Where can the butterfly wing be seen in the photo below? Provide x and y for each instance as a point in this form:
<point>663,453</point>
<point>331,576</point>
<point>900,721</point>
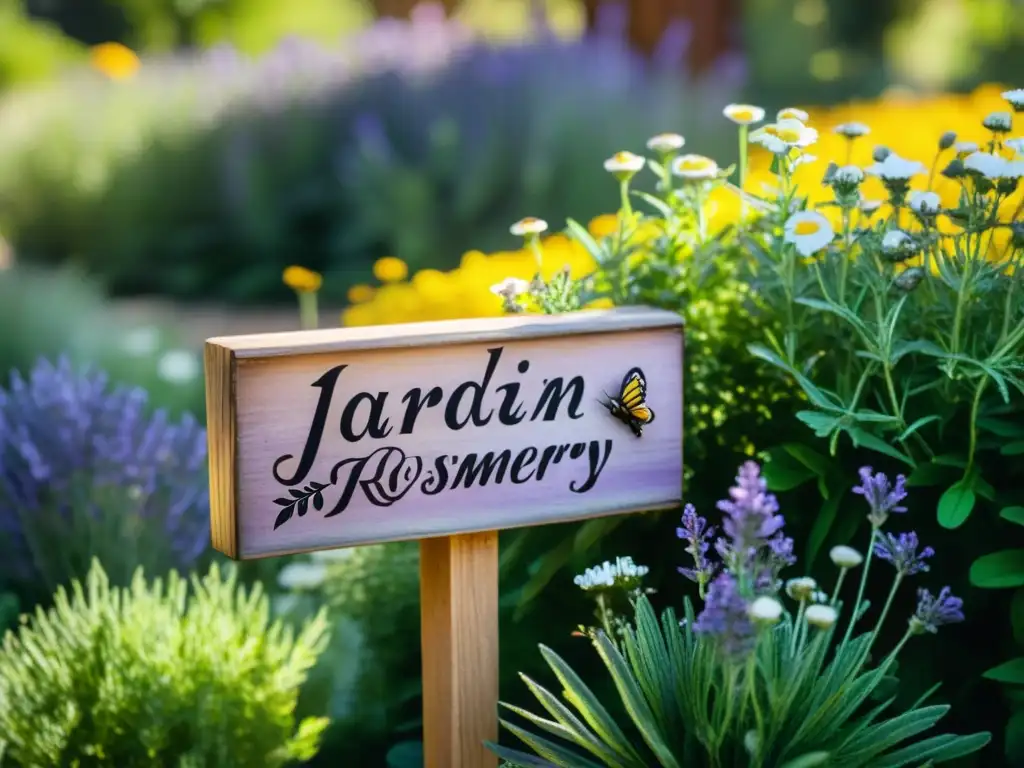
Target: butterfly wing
<point>634,389</point>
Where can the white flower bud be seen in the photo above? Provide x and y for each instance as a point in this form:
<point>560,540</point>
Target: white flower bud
<point>821,616</point>
<point>801,588</point>
<point>846,557</point>
<point>766,610</point>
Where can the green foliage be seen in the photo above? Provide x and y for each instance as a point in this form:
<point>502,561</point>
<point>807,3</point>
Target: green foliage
<point>31,51</point>
<point>174,672</point>
<point>685,707</point>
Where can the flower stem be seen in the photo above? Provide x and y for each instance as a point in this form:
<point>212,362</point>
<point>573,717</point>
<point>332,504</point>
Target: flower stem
<point>797,625</point>
<point>839,584</point>
<point>309,318</point>
<point>538,255</point>
<point>860,589</point>
<point>885,609</point>
<point>743,172</point>
<point>627,208</point>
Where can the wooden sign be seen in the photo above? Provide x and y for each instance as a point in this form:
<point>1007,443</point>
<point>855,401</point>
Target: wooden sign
<point>453,429</point>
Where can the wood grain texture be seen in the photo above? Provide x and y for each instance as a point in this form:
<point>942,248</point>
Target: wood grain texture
<point>459,640</point>
<point>274,402</point>
<point>222,441</point>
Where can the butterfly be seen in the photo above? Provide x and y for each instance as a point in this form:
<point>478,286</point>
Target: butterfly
<point>631,404</point>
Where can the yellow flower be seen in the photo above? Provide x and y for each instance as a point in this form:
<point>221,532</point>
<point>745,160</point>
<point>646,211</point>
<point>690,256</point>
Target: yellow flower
<point>390,269</point>
<point>114,60</point>
<point>360,293</point>
<point>301,279</point>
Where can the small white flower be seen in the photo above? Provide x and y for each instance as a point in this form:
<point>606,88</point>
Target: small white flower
<point>695,167</point>
<point>895,240</point>
<point>988,165</point>
<point>802,160</point>
<point>1015,98</point>
<point>819,597</point>
<point>140,342</point>
<point>744,114</point>
<point>792,113</point>
<point>664,143</point>
<point>895,168</point>
<point>801,588</point>
<point>845,557</point>
<point>302,575</point>
<point>1017,145</point>
<point>965,147</point>
<point>624,573</point>
<point>852,130</point>
<point>766,609</point>
<point>999,122</point>
<point>849,175</point>
<point>511,288</point>
<point>528,226</point>
<point>784,135</point>
<point>178,366</point>
<point>821,616</point>
<point>809,231</point>
<point>925,203</point>
<point>624,163</point>
<point>1014,169</point>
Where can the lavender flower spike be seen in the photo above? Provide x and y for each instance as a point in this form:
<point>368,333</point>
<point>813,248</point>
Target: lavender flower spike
<point>902,552</point>
<point>936,611</point>
<point>696,532</point>
<point>726,618</point>
<point>750,515</point>
<point>882,496</point>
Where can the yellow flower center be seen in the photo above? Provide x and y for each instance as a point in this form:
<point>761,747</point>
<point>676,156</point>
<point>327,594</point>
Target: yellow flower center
<point>623,157</point>
<point>359,294</point>
<point>743,114</point>
<point>771,130</point>
<point>806,227</point>
<point>529,221</point>
<point>302,279</point>
<point>789,114</point>
<point>390,269</point>
<point>788,135</point>
<point>695,164</point>
<point>114,60</point>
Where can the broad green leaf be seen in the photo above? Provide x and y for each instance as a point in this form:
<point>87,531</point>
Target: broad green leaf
<point>1001,427</point>
<point>822,423</point>
<point>782,472</point>
<point>809,457</point>
<point>955,505</point>
<point>951,460</point>
<point>1011,671</point>
<point>1013,514</point>
<point>928,474</point>
<point>821,528</point>
<point>1017,616</point>
<point>999,570</point>
<point>865,747</point>
<point>1014,734</point>
<point>822,399</point>
<point>1013,449</point>
<point>864,439</point>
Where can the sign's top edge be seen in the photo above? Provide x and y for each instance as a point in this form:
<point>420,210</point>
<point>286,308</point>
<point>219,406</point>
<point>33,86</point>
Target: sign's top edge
<point>441,332</point>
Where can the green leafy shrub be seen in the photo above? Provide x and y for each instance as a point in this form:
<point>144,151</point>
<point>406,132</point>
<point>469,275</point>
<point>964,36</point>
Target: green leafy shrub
<point>174,672</point>
<point>749,681</point>
<point>207,176</point>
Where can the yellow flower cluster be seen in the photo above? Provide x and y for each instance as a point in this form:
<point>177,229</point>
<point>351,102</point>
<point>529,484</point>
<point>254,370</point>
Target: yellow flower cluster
<point>909,126</point>
<point>116,61</point>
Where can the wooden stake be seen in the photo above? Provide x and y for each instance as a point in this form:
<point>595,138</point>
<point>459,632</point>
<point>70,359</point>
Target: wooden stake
<point>459,637</point>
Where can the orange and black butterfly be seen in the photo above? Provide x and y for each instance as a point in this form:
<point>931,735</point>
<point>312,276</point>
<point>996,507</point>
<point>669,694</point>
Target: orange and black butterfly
<point>631,405</point>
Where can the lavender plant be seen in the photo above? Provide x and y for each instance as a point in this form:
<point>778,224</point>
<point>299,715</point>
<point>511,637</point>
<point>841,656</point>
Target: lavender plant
<point>764,672</point>
<point>86,470</point>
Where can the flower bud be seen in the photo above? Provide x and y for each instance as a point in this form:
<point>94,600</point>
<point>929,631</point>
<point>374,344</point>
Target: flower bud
<point>947,140</point>
<point>955,169</point>
<point>830,172</point>
<point>801,588</point>
<point>909,279</point>
<point>846,557</point>
<point>821,616</point>
<point>880,153</point>
<point>765,610</point>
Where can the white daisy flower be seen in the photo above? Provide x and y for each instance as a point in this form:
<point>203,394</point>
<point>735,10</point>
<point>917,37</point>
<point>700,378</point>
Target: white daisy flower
<point>988,165</point>
<point>624,163</point>
<point>1017,145</point>
<point>1015,98</point>
<point>784,135</point>
<point>766,610</point>
<point>848,175</point>
<point>744,114</point>
<point>528,226</point>
<point>178,366</point>
<point>895,240</point>
<point>821,616</point>
<point>809,231</point>
<point>695,167</point>
<point>302,576</point>
<point>801,588</point>
<point>511,288</point>
<point>803,160</point>
<point>664,143</point>
<point>895,168</point>
<point>925,203</point>
<point>792,113</point>
<point>622,573</point>
<point>852,130</point>
<point>999,122</point>
<point>965,147</point>
<point>845,557</point>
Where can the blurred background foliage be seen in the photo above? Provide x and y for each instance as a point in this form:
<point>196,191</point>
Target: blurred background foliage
<point>253,134</point>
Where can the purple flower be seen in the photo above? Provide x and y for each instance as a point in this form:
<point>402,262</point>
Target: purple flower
<point>72,447</point>
<point>883,497</point>
<point>935,611</point>
<point>696,532</point>
<point>725,617</point>
<point>902,552</point>
<point>750,514</point>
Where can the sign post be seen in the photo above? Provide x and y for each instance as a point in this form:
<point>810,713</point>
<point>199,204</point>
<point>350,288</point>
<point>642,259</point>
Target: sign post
<point>446,432</point>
